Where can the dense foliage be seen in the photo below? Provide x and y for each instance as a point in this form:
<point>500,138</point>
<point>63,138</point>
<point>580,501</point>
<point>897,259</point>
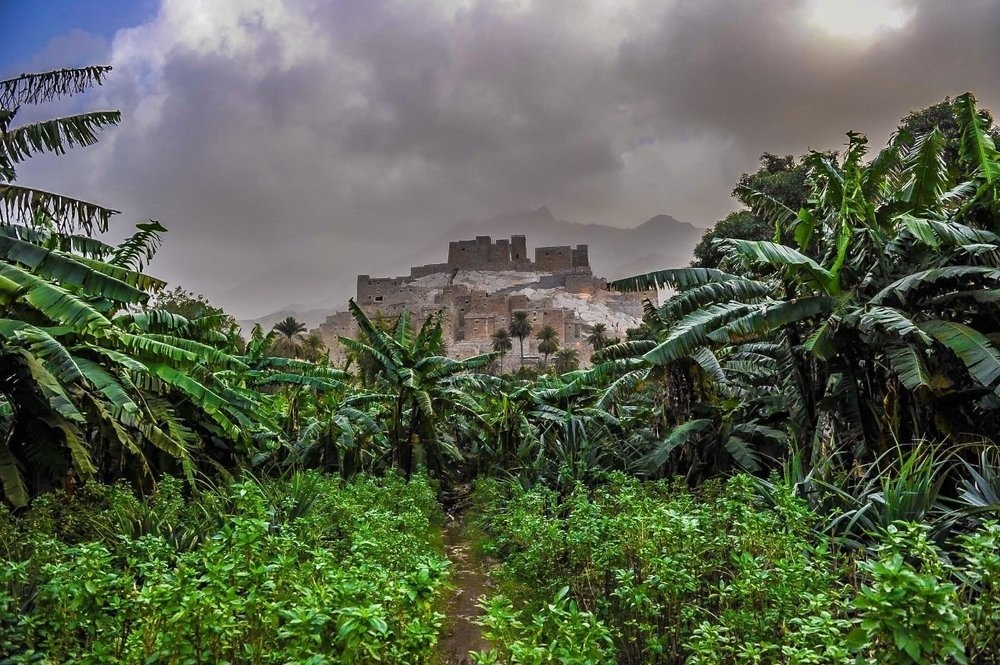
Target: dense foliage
<point>636,572</point>
<point>833,353</point>
<point>307,569</point>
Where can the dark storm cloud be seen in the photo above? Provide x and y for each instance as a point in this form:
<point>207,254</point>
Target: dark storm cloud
<point>291,145</point>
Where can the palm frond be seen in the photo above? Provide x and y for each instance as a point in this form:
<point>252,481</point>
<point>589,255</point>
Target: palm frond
<point>23,204</point>
<point>678,278</point>
<point>678,436</point>
<point>139,248</point>
<point>764,319</point>
<point>744,290</point>
<point>56,136</point>
<point>901,288</point>
<point>56,303</point>
<point>693,331</point>
<point>925,172</point>
<point>981,358</point>
<point>977,147</point>
<point>45,86</point>
<point>68,270</point>
<point>908,364</point>
<point>784,257</point>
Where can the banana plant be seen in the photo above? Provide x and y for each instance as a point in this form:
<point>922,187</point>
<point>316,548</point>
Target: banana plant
<point>92,382</point>
<point>885,304</point>
<point>420,384</point>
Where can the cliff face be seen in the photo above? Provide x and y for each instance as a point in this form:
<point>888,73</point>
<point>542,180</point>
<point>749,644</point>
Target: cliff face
<point>484,283</point>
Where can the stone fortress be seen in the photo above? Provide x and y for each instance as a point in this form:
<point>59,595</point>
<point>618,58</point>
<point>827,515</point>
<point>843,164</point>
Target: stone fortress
<point>480,287</point>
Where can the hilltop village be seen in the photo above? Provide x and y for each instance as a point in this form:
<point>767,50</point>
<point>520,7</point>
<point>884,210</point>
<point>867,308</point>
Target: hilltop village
<point>483,283</point>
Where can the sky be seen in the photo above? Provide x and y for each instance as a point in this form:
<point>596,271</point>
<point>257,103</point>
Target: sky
<point>289,145</point>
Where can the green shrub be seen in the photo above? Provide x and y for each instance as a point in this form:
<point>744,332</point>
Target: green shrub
<point>558,632</point>
<point>674,575</point>
<point>303,570</point>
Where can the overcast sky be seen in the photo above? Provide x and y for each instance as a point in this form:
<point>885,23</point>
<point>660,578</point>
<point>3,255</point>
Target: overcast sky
<point>290,144</point>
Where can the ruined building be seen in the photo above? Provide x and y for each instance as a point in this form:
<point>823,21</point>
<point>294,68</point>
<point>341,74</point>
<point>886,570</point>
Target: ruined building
<point>483,283</point>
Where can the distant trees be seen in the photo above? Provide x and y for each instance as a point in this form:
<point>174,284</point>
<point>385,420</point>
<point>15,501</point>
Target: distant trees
<point>567,360</point>
<point>181,301</point>
<point>289,340</point>
<point>782,179</point>
<point>597,337</point>
<point>196,307</point>
<point>520,327</point>
<point>502,343</point>
<point>314,348</point>
<point>548,342</point>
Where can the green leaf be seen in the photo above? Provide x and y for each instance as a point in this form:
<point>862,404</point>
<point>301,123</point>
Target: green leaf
<point>901,288</point>
<point>66,269</point>
<point>764,319</point>
<point>678,436</point>
<point>977,147</point>
<point>784,257</point>
<point>693,331</point>
<point>925,172</point>
<point>743,290</point>
<point>972,347</point>
<point>56,303</point>
<point>23,204</point>
<point>678,278</point>
<point>893,321</point>
<point>10,476</point>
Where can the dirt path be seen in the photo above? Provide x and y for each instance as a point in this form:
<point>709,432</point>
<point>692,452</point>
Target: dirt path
<point>462,635</point>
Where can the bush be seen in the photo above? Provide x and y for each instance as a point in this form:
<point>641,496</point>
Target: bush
<point>301,570</point>
<point>672,575</point>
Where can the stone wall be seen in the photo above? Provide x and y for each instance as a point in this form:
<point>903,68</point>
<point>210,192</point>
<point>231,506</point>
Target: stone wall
<point>472,315</point>
<point>422,271</point>
<point>552,259</point>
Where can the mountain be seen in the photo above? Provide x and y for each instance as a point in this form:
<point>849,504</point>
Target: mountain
<point>659,242</point>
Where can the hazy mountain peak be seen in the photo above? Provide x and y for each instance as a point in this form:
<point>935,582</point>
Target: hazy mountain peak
<point>545,214</point>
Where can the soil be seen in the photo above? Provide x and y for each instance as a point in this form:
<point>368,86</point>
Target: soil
<point>470,583</point>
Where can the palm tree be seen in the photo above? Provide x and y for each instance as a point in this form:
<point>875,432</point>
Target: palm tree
<point>567,360</point>
<point>548,342</point>
<point>598,336</point>
<point>314,348</point>
<point>501,344</point>
<point>520,327</point>
<point>289,329</point>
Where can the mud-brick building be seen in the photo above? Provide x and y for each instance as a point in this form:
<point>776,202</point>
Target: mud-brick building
<point>484,282</point>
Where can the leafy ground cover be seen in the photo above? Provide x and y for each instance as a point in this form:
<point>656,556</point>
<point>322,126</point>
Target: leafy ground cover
<point>636,572</point>
<point>305,570</point>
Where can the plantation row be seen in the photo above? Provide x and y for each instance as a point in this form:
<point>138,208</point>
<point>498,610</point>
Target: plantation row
<point>635,572</point>
<point>315,570</point>
<point>305,570</point>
